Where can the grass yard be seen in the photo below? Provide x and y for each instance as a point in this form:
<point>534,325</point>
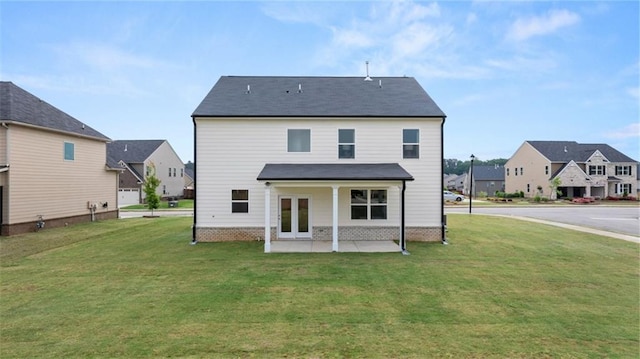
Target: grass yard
<point>136,288</point>
<point>182,203</point>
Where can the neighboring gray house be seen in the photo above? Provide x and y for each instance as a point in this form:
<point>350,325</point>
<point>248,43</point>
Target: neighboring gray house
<point>139,158</point>
<point>488,179</point>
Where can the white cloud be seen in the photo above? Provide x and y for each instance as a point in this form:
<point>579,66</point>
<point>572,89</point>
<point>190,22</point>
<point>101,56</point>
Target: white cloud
<point>553,20</point>
<point>351,38</point>
<point>629,131</point>
<point>105,57</point>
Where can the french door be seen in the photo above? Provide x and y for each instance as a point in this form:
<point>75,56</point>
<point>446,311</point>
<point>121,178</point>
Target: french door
<point>294,217</point>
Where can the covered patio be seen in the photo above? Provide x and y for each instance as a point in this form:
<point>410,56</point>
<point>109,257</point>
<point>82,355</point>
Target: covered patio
<point>301,246</point>
<point>333,176</point>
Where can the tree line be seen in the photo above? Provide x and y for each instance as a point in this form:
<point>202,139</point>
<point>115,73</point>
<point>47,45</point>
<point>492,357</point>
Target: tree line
<point>455,166</point>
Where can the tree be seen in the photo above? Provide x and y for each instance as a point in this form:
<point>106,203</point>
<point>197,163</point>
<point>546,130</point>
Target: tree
<point>151,183</point>
<point>553,185</point>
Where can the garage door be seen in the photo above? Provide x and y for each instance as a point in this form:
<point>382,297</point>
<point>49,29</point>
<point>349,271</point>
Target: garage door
<point>128,196</point>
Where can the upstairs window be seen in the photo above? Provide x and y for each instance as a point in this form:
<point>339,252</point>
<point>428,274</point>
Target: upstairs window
<point>298,140</point>
<point>410,143</point>
<point>623,170</point>
<point>597,170</point>
<point>546,170</point>
<point>174,172</point>
<point>239,201</point>
<point>182,172</point>
<point>169,172</point>
<point>346,143</point>
<point>69,151</point>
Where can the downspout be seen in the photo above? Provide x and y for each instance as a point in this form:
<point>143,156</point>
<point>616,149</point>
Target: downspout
<point>403,241</point>
<point>443,228</point>
<point>195,183</point>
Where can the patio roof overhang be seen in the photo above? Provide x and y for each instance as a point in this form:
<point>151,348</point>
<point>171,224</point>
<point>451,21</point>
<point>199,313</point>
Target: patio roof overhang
<point>334,172</point>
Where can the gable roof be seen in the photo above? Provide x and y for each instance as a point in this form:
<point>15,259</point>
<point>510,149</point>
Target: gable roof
<point>18,105</point>
<point>565,151</point>
<point>334,171</point>
<point>264,96</point>
<point>488,173</point>
<point>132,151</point>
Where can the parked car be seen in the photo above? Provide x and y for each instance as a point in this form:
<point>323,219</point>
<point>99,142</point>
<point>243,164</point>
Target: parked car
<point>450,196</point>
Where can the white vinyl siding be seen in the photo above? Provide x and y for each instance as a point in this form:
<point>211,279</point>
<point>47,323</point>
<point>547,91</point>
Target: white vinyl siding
<point>219,170</point>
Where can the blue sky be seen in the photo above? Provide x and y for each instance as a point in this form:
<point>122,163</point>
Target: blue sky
<point>503,72</point>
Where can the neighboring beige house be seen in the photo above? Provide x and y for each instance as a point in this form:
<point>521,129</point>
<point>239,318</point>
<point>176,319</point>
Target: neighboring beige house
<point>584,170</point>
<point>139,158</point>
<point>318,158</point>
<point>51,164</point>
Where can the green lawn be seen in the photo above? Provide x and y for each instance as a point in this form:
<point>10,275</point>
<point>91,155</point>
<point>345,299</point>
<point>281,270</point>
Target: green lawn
<point>136,288</point>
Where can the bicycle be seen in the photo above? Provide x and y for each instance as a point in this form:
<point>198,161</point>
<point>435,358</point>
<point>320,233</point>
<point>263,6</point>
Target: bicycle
<point>39,223</point>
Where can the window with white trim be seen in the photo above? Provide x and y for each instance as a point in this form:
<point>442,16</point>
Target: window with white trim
<point>298,140</point>
<point>346,143</point>
<point>597,170</point>
<point>368,204</point>
<point>69,151</point>
<point>239,201</point>
<point>623,170</point>
<point>622,188</point>
<point>410,143</point>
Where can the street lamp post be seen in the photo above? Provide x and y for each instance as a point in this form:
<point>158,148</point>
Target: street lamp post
<point>471,183</point>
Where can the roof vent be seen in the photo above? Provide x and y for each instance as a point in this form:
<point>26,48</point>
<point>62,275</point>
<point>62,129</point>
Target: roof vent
<point>367,78</point>
<point>125,148</point>
<point>248,88</point>
<point>299,88</point>
<point>380,83</point>
<point>565,149</point>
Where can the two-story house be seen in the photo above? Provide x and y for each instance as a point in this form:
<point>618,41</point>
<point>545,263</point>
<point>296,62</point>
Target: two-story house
<point>584,170</point>
<point>139,158</point>
<point>51,165</point>
<point>318,158</point>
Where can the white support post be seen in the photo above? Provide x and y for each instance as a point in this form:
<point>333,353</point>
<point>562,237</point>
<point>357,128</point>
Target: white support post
<point>334,244</point>
<point>267,218</point>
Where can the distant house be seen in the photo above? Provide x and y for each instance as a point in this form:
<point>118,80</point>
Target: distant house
<point>591,170</point>
<point>460,184</point>
<point>318,158</point>
<point>487,179</point>
<point>51,165</point>
<point>450,181</point>
<point>139,158</point>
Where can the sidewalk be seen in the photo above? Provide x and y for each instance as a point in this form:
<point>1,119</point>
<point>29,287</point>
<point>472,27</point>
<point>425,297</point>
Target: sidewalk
<point>599,232</point>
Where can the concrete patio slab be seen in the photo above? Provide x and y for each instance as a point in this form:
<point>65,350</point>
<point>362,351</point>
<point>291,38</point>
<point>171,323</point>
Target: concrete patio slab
<point>310,246</point>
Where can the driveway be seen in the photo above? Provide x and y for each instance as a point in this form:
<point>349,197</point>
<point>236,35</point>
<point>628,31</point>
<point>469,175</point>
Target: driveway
<point>161,213</point>
<point>617,219</point>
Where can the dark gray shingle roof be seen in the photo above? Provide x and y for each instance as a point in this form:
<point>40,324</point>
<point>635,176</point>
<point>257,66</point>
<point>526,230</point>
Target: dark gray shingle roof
<point>488,173</point>
<point>334,171</point>
<point>132,151</point>
<point>318,96</point>
<point>565,151</point>
<point>19,105</point>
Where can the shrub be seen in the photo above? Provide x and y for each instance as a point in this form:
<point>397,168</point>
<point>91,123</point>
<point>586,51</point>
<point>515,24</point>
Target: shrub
<point>482,194</point>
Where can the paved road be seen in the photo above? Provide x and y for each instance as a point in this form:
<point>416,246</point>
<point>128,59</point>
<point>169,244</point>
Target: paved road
<point>622,219</point>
